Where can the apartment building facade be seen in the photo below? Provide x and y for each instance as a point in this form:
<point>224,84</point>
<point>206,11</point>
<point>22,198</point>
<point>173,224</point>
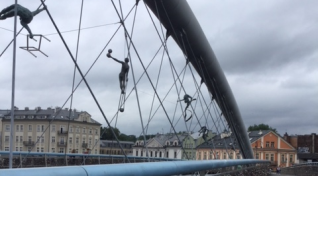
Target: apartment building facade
<point>161,146</point>
<point>53,130</point>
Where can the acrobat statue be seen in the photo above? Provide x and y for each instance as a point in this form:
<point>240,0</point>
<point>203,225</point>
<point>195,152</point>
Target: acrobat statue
<point>187,100</point>
<point>123,75</point>
<point>26,16</point>
<point>204,132</point>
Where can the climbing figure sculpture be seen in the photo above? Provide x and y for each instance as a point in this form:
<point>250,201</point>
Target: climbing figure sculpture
<point>26,16</point>
<point>123,75</point>
<point>204,131</point>
<point>187,100</point>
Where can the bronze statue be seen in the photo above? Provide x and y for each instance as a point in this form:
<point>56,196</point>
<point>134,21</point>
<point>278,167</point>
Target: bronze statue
<point>204,131</point>
<point>187,100</point>
<point>123,75</point>
<point>26,16</point>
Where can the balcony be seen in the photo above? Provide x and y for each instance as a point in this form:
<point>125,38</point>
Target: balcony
<point>84,145</point>
<point>62,132</point>
<point>28,143</point>
<point>61,144</point>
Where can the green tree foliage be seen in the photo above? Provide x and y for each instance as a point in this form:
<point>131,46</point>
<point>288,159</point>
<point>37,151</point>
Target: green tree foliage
<point>261,127</point>
<point>107,134</point>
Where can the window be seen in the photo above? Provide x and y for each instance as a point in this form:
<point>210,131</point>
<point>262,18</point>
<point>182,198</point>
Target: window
<point>6,139</point>
<point>224,155</point>
<point>53,150</point>
<point>267,156</point>
<point>90,141</point>
<point>257,156</point>
<point>291,157</point>
<point>21,128</point>
<point>16,138</point>
<point>53,128</point>
<point>29,138</point>
<point>84,139</point>
<point>70,140</point>
<point>96,131</point>
<point>42,149</point>
<point>160,154</point>
<point>16,148</point>
<point>77,129</point>
<point>20,148</point>
<point>136,152</point>
<point>167,154</point>
<point>283,158</point>
<point>38,128</point>
<point>7,128</point>
<point>30,128</point>
<point>61,150</point>
<point>95,151</point>
<point>90,131</point>
<point>272,144</point>
<point>272,157</point>
<point>175,154</point>
<point>142,153</point>
<point>71,129</point>
<point>29,149</point>
<point>267,144</point>
<point>17,128</point>
<point>199,156</point>
<point>21,138</point>
<point>53,139</point>
<point>84,130</point>
<point>150,153</point>
<point>77,140</point>
<point>6,148</point>
<point>42,139</point>
<point>37,149</point>
<point>204,155</point>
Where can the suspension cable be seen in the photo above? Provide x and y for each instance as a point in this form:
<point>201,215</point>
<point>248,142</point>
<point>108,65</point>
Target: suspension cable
<point>84,79</point>
<point>71,102</point>
<point>148,76</point>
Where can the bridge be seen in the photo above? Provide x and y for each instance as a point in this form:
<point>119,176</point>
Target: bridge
<point>57,164</point>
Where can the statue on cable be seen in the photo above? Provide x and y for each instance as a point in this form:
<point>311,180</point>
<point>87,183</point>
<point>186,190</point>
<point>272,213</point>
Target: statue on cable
<point>187,100</point>
<point>26,16</point>
<point>123,75</point>
<point>204,131</point>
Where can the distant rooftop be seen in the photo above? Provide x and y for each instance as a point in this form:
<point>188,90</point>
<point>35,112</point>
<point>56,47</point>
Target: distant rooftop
<point>50,113</point>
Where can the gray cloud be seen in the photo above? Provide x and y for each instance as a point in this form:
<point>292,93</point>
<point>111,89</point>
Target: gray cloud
<point>268,51</point>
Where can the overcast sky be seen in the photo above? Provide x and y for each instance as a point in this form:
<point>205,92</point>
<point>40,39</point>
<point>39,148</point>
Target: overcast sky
<point>268,50</point>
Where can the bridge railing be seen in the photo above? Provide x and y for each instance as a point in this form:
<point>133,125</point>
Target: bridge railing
<point>167,168</point>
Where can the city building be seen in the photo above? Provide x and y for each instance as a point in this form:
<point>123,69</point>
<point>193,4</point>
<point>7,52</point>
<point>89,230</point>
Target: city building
<point>190,143</point>
<point>221,146</point>
<point>161,146</point>
<point>113,148</point>
<point>306,145</point>
<point>266,145</point>
<point>52,130</point>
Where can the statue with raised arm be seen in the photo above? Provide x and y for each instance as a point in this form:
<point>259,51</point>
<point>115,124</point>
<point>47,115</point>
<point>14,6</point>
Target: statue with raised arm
<point>123,75</point>
<point>187,100</point>
<point>26,16</point>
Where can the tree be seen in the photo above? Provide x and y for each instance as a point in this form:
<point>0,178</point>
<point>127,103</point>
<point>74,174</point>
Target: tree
<point>261,127</point>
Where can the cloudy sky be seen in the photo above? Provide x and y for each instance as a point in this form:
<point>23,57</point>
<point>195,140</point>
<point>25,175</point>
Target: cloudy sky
<point>268,51</point>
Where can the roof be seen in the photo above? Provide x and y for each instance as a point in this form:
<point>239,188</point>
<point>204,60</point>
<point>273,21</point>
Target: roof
<point>49,114</point>
<point>254,135</point>
<point>219,142</point>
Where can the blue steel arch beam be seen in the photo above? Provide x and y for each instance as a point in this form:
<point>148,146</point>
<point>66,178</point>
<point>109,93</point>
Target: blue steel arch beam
<point>180,22</point>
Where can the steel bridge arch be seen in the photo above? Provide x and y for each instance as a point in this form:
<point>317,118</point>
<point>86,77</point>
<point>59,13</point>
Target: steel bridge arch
<point>180,22</point>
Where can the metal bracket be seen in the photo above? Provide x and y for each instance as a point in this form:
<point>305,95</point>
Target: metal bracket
<point>31,49</point>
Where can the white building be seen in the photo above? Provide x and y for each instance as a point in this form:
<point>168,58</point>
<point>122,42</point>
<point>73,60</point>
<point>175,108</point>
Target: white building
<point>161,146</point>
